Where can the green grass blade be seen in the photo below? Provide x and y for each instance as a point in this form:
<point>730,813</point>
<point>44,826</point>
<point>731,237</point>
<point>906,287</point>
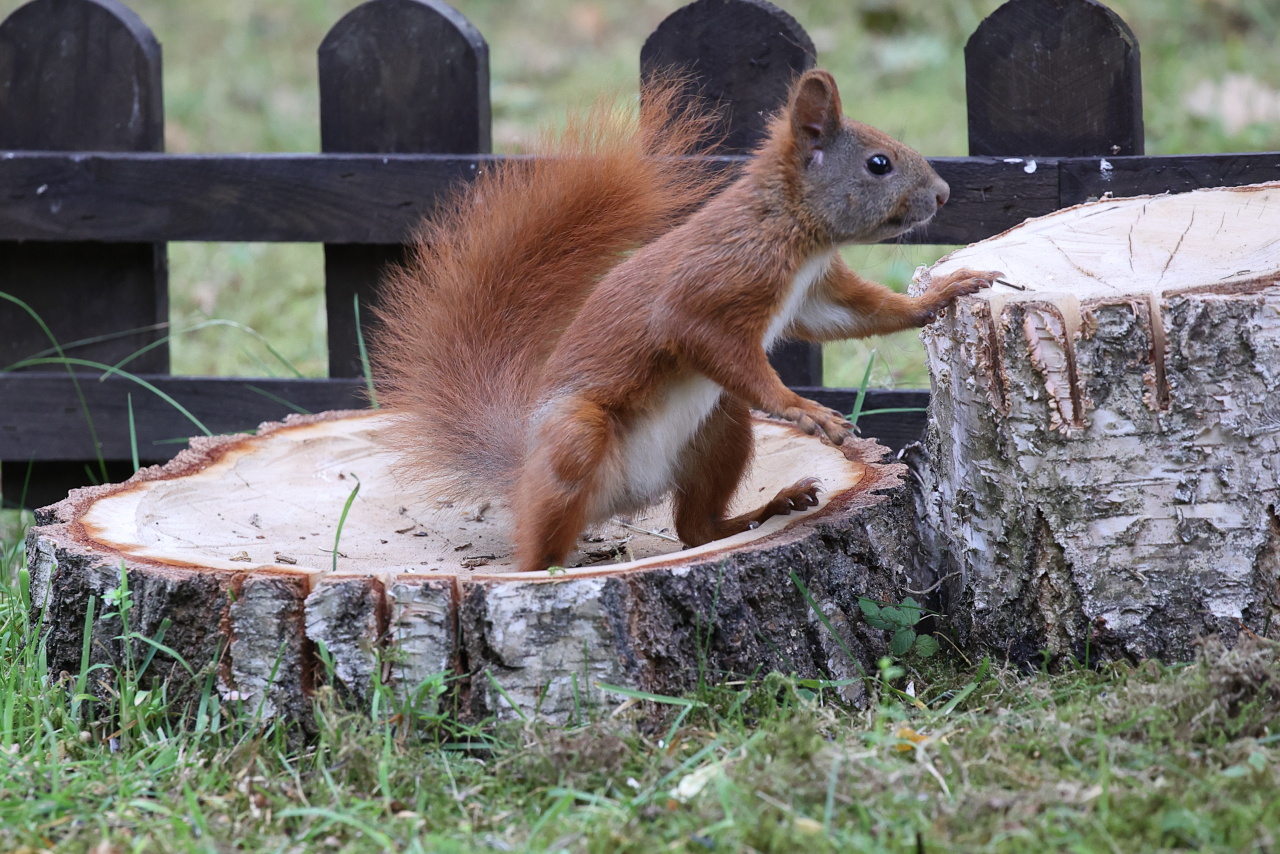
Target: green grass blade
<point>862,389</point>
<point>107,371</point>
<point>207,324</point>
<point>99,339</point>
<point>84,405</point>
<point>364,357</point>
<point>342,520</point>
<point>645,695</point>
<point>503,691</point>
<point>893,409</point>
<point>822,617</point>
<point>133,434</point>
<point>157,646</point>
<point>26,482</point>
<point>968,689</point>
<point>585,797</point>
<point>333,817</point>
<point>278,399</point>
<point>263,368</point>
<point>557,809</point>
<point>828,807</point>
<point>85,641</point>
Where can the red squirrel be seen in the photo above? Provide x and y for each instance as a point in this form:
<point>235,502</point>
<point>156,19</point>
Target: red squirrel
<point>529,356</point>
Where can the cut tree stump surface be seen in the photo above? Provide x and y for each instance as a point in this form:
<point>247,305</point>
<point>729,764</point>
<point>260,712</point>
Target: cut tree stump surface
<point>229,552</point>
<point>1101,463</point>
<point>273,503</point>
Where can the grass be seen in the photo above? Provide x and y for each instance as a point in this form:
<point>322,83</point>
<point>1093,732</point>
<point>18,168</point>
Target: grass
<point>946,757</point>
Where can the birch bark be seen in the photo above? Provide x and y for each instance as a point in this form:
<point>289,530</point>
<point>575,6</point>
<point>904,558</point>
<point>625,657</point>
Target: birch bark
<point>1099,476</point>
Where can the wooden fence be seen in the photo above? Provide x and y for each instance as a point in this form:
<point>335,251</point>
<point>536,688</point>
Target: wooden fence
<point>88,200</point>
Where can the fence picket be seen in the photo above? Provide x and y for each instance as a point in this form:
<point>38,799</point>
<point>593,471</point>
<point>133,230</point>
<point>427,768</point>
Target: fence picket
<point>1054,78</point>
<point>396,76</point>
<point>82,75</point>
<point>742,56</point>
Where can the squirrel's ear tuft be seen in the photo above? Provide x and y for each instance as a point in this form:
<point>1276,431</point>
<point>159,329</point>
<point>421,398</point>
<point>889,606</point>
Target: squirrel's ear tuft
<point>815,111</point>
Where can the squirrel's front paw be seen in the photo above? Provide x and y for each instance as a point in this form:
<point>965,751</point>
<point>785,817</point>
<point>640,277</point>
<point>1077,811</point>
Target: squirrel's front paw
<point>946,289</point>
<point>813,418</point>
<point>964,281</point>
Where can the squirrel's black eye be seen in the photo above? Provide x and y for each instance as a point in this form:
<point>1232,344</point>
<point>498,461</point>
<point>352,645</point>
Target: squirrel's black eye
<point>878,164</point>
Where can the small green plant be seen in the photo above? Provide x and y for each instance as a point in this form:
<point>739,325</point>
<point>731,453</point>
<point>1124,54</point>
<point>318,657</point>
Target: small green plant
<point>342,520</point>
<point>901,621</point>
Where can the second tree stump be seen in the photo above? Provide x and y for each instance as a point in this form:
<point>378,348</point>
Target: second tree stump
<point>1102,471</point>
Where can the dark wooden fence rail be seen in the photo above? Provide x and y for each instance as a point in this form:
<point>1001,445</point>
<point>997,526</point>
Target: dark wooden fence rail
<point>88,201</point>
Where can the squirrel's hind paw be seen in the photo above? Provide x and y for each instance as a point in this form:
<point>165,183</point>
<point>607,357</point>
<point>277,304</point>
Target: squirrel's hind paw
<point>800,495</point>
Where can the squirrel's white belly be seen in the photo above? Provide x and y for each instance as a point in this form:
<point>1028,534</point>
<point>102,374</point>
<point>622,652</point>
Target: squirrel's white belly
<point>796,301</point>
<point>652,447</point>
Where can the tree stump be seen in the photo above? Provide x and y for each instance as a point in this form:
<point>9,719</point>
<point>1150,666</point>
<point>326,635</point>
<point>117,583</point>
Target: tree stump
<point>1100,470</point>
<point>228,551</point>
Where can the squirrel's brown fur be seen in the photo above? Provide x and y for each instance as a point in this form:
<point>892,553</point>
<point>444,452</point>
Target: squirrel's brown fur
<point>529,358</point>
<point>502,267</point>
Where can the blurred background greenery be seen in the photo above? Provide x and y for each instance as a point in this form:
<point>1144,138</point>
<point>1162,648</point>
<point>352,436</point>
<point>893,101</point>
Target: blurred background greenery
<point>240,76</point>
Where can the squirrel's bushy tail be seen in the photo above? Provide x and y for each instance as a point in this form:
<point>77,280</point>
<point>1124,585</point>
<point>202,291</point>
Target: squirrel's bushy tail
<point>500,270</point>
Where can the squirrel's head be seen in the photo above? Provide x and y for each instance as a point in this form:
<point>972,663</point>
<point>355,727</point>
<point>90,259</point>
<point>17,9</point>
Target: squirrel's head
<point>862,185</point>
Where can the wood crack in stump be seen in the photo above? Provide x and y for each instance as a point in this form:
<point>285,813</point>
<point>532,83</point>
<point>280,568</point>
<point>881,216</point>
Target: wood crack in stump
<point>405,607</point>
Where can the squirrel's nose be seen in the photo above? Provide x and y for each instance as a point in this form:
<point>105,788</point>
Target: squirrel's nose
<point>944,193</point>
